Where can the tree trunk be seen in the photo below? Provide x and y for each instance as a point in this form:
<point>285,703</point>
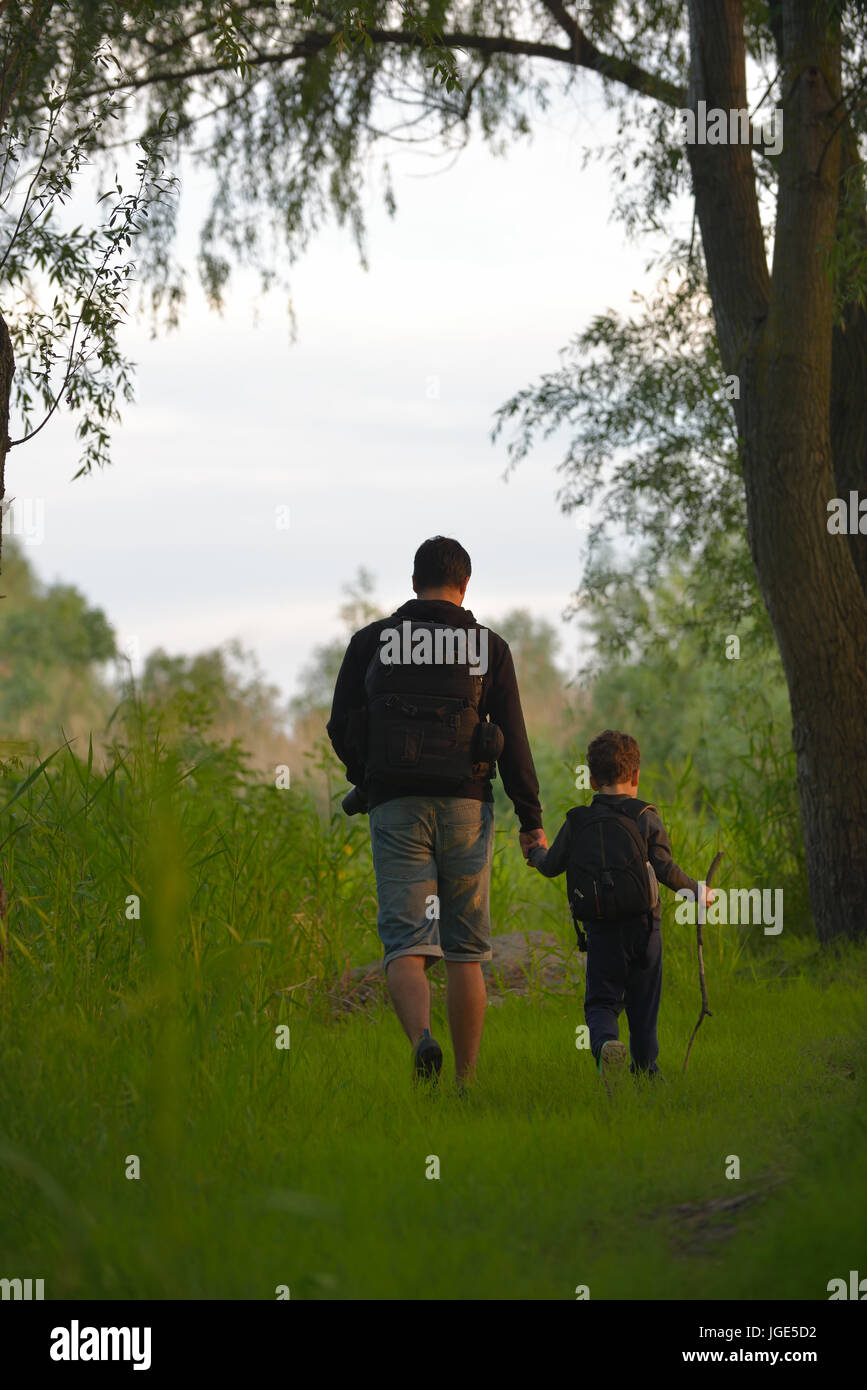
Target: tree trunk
<point>808,576</point>
<point>849,359</point>
<point>796,422</point>
<point>7,368</point>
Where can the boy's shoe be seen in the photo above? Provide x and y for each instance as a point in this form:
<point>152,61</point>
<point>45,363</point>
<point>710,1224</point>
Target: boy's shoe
<point>427,1058</point>
<point>613,1058</point>
<point>645,1075</point>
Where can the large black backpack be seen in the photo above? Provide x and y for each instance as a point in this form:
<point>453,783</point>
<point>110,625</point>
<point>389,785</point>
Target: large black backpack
<point>609,877</point>
<point>421,720</point>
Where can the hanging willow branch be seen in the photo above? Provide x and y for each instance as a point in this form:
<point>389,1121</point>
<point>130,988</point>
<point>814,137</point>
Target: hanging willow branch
<point>705,1011</point>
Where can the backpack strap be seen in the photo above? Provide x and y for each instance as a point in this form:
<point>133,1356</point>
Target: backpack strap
<point>634,812</point>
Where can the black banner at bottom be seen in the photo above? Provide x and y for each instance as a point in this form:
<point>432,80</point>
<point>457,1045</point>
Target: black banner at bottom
<point>155,1338</point>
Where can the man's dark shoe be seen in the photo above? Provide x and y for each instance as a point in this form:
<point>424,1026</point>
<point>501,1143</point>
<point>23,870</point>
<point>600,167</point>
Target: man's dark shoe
<point>427,1058</point>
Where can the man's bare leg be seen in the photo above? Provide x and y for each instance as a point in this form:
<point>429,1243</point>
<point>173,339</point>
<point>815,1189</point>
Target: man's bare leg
<point>466,998</point>
<point>410,993</point>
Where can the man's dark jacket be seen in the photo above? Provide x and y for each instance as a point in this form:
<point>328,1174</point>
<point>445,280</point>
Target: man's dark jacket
<point>499,701</point>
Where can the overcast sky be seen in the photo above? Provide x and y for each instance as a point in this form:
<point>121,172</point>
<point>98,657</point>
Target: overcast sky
<point>372,428</point>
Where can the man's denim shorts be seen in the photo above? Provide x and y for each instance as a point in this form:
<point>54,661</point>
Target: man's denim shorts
<point>432,858</point>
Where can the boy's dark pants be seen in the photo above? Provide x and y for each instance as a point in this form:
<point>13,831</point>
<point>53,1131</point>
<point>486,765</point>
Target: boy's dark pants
<point>624,970</point>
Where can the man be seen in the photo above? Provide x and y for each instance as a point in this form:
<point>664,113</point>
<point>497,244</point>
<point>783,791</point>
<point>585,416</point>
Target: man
<point>425,704</point>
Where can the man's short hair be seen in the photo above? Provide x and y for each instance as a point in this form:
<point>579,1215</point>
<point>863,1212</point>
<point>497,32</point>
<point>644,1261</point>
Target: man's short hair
<point>441,563</point>
<point>613,757</point>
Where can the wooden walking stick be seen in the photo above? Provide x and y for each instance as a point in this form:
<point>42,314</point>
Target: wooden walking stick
<point>705,1011</point>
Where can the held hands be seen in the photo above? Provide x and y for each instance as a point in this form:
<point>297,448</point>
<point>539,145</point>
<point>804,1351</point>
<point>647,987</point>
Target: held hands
<point>530,839</point>
<point>707,895</point>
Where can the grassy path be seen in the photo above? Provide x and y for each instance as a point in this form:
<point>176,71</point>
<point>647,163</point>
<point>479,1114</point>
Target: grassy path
<point>306,1167</point>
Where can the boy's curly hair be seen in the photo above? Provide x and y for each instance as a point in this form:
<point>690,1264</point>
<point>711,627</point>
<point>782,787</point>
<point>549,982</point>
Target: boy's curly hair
<point>613,757</point>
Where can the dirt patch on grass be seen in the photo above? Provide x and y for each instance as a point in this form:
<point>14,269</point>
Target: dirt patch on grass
<point>524,963</point>
<point>700,1228</point>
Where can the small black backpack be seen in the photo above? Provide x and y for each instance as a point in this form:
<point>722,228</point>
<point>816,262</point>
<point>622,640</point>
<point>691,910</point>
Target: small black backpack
<point>609,877</point>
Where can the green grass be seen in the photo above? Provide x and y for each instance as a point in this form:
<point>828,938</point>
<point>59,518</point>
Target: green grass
<point>307,1167</point>
<point>155,1036</point>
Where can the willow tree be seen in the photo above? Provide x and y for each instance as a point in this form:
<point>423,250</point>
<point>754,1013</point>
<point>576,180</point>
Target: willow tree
<point>64,287</point>
<point>283,102</point>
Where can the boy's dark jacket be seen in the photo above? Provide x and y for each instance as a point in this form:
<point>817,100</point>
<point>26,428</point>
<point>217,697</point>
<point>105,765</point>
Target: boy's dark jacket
<point>553,861</point>
<point>499,700</point>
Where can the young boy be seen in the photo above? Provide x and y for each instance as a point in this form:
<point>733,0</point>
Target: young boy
<point>624,956</point>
